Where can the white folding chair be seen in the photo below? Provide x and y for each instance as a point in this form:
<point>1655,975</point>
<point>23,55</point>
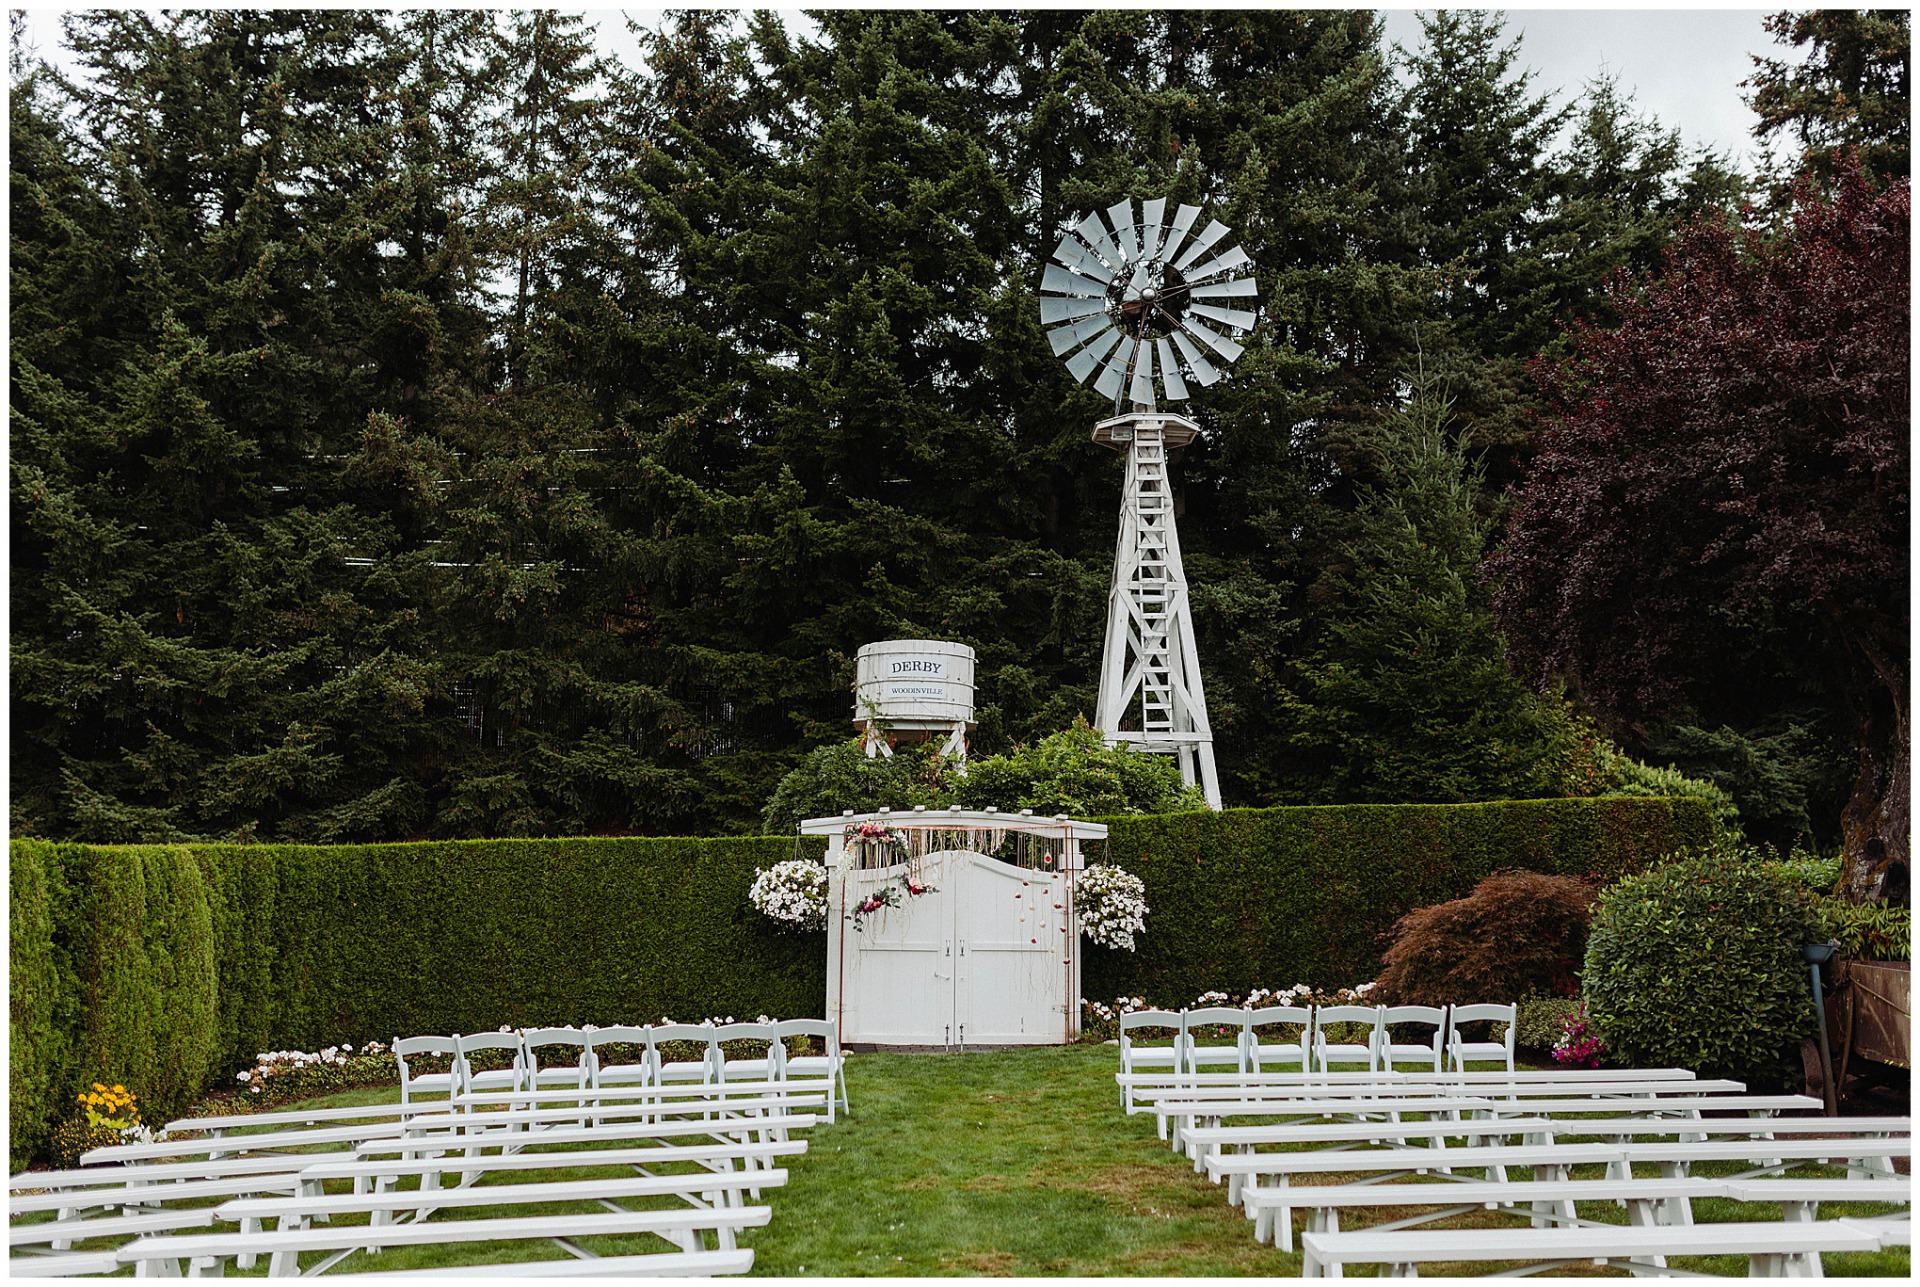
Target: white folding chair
<point>1424,1055</point>
<point>1138,1058</point>
<point>1282,1054</point>
<point>1213,1036</point>
<point>466,1080</point>
<point>602,1073</point>
<point>704,1069</point>
<point>1327,1051</point>
<point>412,1083</point>
<point>534,1040</point>
<point>1459,1050</point>
<point>759,1064</point>
<point>830,1066</point>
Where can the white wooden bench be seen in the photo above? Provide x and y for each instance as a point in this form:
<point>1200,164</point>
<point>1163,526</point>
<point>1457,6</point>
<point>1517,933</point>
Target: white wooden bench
<point>1549,1161</point>
<point>49,1232</point>
<point>1211,1141</point>
<point>680,1264</point>
<point>1178,1117</point>
<point>719,1157</point>
<point>711,1201</point>
<point>755,1109</point>
<point>1773,1250</point>
<point>1648,1201</point>
<point>152,1256</point>
<point>67,1265</point>
<point>136,1194</point>
<point>1800,1198</point>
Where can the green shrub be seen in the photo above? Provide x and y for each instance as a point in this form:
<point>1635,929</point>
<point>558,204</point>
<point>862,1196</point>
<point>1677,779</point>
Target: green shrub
<point>1809,870</point>
<point>832,779</point>
<point>1598,767</point>
<point>1073,772</point>
<point>1518,934</point>
<point>40,997</point>
<point>1076,773</point>
<point>1868,931</point>
<point>1696,964</point>
<point>1539,1021</point>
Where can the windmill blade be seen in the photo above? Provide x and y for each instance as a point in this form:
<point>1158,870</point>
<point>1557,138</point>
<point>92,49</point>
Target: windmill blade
<point>1152,214</point>
<point>1202,369</point>
<point>1231,316</point>
<point>1170,373</point>
<point>1225,347</point>
<point>1223,290</point>
<point>1228,260</point>
<point>1111,379</point>
<point>1081,260</point>
<point>1066,338</point>
<point>1177,232</point>
<point>1214,232</point>
<point>1120,213</point>
<point>1091,232</point>
<point>1061,281</point>
<point>1082,363</point>
<point>1066,308</point>
<point>1142,390</point>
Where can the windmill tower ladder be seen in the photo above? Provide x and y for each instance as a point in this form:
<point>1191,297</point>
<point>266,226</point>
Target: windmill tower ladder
<point>1151,696</point>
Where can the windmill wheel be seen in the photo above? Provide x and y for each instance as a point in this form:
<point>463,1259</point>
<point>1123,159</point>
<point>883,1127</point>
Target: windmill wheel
<point>1131,297</point>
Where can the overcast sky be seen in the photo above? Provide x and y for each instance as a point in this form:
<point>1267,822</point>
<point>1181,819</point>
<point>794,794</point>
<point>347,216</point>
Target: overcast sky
<point>1682,66</point>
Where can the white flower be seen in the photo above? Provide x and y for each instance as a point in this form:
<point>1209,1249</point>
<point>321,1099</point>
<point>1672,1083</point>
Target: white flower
<point>793,893</point>
<point>243,1076</point>
<point>1112,906</point>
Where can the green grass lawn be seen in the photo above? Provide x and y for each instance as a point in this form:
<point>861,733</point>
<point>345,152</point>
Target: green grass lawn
<point>1022,1163</point>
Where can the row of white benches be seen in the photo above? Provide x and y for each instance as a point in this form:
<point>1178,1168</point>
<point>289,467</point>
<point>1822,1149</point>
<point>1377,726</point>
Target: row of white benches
<point>589,1057</point>
<point>330,1183</point>
<point>1437,1144</point>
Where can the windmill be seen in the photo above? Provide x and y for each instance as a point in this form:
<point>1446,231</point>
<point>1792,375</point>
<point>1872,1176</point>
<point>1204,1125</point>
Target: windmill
<point>1130,299</point>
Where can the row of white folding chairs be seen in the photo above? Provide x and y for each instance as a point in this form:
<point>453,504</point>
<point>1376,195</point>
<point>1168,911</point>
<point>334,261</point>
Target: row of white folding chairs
<point>1214,1036</point>
<point>713,1065</point>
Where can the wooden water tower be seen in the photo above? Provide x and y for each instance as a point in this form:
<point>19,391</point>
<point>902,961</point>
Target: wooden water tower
<point>916,690</point>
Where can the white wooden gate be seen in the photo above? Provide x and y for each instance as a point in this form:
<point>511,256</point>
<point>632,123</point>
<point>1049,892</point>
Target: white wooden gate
<point>988,959</point>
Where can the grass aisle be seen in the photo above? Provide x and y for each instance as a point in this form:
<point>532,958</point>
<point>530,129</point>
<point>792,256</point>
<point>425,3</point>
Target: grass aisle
<point>1006,1163</point>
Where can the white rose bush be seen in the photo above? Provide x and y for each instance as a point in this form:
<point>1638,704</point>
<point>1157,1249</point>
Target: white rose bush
<point>1113,906</point>
<point>792,894</point>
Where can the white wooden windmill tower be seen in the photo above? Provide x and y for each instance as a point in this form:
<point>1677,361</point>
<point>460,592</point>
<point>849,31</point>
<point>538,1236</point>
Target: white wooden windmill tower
<point>1132,303</point>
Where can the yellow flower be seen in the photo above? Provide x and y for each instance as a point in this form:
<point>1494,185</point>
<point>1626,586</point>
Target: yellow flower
<point>118,1089</point>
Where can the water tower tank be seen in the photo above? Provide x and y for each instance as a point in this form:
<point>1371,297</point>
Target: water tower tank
<point>914,684</point>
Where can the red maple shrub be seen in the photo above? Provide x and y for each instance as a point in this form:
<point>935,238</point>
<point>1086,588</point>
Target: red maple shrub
<point>1518,934</point>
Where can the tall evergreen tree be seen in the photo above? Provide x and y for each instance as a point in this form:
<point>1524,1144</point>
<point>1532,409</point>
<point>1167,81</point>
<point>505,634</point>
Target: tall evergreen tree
<point>1849,91</point>
<point>1408,695</point>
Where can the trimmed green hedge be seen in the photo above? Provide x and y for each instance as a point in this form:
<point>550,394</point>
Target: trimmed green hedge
<point>164,967</point>
<point>1271,897</point>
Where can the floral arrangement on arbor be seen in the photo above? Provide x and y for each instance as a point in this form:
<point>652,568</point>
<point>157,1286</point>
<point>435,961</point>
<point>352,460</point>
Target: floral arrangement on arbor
<point>1112,904</point>
<point>792,893</point>
<point>876,836</point>
<point>886,896</point>
<point>1580,1044</point>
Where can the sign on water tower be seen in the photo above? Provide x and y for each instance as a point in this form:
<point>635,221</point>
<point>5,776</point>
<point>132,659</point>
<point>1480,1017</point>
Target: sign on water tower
<point>917,688</point>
